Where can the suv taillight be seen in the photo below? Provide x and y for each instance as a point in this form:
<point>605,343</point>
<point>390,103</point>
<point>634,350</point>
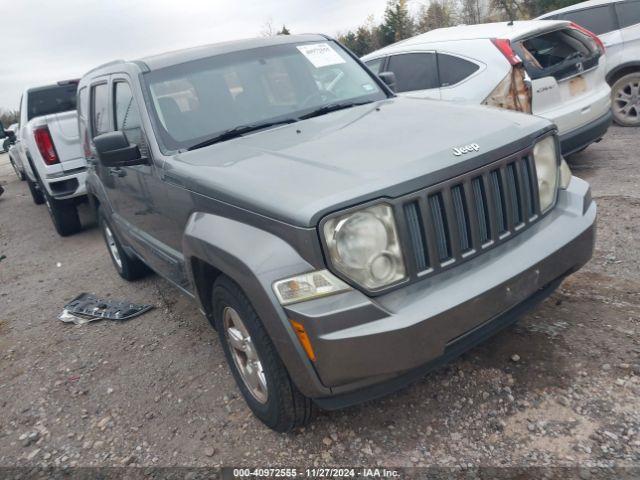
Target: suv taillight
<point>591,35</point>
<point>504,46</point>
<point>45,145</point>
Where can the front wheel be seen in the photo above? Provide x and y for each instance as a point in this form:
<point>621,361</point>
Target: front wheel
<point>256,366</point>
<point>21,176</point>
<point>625,95</point>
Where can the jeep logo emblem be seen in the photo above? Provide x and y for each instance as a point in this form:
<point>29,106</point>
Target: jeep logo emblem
<point>472,147</point>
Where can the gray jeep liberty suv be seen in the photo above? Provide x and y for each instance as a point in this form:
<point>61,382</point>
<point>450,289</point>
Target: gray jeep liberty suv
<point>341,240</point>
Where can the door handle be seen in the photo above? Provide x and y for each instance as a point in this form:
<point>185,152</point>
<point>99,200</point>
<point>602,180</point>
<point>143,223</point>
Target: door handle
<point>117,172</point>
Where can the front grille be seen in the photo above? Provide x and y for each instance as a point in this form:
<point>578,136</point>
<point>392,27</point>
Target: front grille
<point>453,221</point>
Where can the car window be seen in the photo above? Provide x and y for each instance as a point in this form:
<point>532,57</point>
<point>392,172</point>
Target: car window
<point>126,113</point>
<point>56,99</point>
<point>561,53</point>
<point>414,71</point>
<point>375,65</point>
<point>453,69</point>
<point>198,100</point>
<point>628,13</point>
<point>100,109</point>
<point>599,20</point>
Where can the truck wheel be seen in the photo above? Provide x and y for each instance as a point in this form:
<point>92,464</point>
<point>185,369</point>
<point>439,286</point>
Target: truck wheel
<point>36,193</point>
<point>64,215</point>
<point>625,95</point>
<point>21,176</point>
<point>256,366</point>
<point>128,267</point>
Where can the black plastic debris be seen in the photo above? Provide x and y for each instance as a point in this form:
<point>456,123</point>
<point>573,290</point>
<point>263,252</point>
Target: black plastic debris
<point>87,308</point>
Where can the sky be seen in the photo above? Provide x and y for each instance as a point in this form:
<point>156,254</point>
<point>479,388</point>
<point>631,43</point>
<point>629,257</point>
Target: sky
<point>47,41</point>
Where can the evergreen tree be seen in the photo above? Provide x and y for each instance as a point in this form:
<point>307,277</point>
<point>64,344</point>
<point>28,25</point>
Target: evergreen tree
<point>397,24</point>
<point>284,31</point>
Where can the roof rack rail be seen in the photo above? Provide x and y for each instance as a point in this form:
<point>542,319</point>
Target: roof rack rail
<point>113,62</point>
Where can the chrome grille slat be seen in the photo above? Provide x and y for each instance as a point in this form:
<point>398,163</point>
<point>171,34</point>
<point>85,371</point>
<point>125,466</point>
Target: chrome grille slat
<point>461,217</point>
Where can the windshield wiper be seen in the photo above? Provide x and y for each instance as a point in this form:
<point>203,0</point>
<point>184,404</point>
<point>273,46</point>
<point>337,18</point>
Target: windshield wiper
<point>332,107</point>
<point>239,131</point>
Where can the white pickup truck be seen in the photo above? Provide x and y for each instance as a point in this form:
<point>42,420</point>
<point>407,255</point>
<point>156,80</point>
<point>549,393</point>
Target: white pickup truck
<point>50,151</point>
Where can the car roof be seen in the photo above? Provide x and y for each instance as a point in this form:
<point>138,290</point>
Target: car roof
<point>507,30</point>
<point>185,55</point>
<point>579,6</point>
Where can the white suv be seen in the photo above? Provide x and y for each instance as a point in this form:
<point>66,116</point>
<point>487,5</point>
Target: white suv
<point>617,23</point>
<point>554,69</point>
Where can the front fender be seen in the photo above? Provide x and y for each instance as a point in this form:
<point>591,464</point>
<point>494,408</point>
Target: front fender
<point>254,259</point>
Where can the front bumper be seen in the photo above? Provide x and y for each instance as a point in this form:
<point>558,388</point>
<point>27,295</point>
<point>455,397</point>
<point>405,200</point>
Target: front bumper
<point>582,137</point>
<point>367,347</point>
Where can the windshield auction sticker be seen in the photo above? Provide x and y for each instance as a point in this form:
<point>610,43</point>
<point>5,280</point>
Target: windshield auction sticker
<point>321,54</point>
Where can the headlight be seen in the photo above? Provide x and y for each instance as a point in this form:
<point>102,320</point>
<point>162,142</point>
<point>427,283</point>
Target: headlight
<point>364,246</point>
<point>565,174</point>
<point>308,286</point>
<point>546,157</point>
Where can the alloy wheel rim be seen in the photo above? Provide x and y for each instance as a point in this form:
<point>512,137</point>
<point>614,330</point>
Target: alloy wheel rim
<point>627,100</point>
<point>244,354</point>
<point>113,248</point>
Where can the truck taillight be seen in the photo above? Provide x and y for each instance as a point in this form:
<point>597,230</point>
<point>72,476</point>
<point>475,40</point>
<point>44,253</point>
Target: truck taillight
<point>591,35</point>
<point>504,46</point>
<point>45,145</point>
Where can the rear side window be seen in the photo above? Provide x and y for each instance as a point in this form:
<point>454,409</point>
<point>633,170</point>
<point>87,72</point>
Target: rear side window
<point>453,69</point>
<point>628,13</point>
<point>57,99</point>
<point>414,71</point>
<point>375,65</point>
<point>100,109</point>
<point>599,20</point>
<point>561,54</point>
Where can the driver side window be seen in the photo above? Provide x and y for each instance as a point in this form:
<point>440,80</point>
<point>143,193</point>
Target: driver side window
<point>127,115</point>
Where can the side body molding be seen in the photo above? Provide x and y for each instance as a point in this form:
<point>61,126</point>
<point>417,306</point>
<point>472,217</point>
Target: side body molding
<point>254,259</point>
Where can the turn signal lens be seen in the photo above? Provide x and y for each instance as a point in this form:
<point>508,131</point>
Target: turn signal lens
<point>308,286</point>
<point>304,339</point>
<point>565,175</point>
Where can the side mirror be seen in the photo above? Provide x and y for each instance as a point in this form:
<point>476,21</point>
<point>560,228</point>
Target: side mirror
<point>389,79</point>
<point>114,150</point>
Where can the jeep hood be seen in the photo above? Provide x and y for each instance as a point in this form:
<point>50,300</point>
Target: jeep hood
<point>300,172</point>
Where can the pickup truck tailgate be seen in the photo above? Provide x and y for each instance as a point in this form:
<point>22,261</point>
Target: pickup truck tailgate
<point>64,133</point>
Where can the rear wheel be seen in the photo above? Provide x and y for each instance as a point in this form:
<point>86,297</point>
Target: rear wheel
<point>128,267</point>
<point>64,215</point>
<point>625,95</point>
<point>257,368</point>
<point>36,193</point>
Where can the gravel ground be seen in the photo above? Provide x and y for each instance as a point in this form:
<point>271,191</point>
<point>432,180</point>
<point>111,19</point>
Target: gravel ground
<point>561,388</point>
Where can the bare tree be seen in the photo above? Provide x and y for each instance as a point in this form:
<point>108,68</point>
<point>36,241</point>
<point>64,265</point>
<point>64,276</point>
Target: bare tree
<point>268,30</point>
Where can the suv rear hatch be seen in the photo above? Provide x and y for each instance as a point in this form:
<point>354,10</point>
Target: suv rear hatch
<point>567,75</point>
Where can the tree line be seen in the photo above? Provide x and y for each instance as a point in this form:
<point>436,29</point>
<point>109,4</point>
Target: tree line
<point>399,23</point>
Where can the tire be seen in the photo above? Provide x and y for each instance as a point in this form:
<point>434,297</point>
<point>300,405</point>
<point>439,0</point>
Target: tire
<point>625,98</point>
<point>21,176</point>
<point>128,267</point>
<point>64,215</point>
<point>284,407</point>
<point>36,193</point>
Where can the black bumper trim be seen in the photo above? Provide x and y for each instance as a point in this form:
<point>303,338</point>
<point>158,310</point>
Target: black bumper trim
<point>584,136</point>
<point>456,348</point>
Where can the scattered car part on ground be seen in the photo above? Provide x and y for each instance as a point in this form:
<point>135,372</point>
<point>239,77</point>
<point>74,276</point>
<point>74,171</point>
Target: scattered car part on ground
<point>617,23</point>
<point>48,148</point>
<point>552,69</point>
<point>89,307</point>
<point>371,265</point>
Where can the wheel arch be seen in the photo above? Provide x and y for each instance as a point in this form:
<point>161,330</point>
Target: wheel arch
<point>621,70</point>
<point>253,258</point>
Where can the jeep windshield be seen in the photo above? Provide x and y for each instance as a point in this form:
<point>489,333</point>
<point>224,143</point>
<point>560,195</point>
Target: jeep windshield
<point>205,101</point>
